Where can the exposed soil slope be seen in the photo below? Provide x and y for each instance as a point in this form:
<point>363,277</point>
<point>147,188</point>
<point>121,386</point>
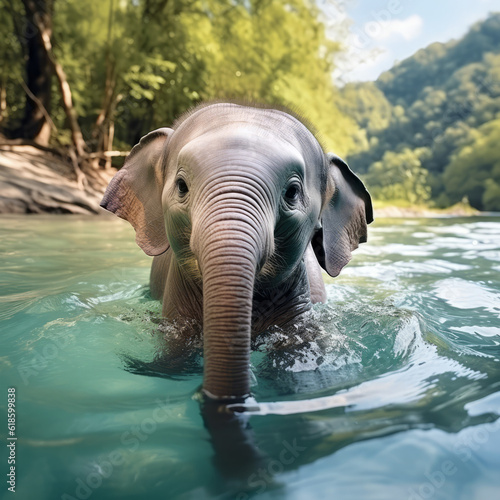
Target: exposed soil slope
<point>35,181</point>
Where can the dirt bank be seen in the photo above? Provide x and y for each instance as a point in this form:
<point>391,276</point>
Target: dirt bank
<point>459,210</point>
<point>35,181</point>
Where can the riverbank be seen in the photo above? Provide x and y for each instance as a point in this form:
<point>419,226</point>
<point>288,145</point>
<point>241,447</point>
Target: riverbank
<point>390,211</point>
<point>36,181</point>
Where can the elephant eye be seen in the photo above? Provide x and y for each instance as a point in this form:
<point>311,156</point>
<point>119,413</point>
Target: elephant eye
<point>292,193</point>
<point>182,187</point>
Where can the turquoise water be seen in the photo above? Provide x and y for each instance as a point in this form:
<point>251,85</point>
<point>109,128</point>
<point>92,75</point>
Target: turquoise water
<point>392,391</point>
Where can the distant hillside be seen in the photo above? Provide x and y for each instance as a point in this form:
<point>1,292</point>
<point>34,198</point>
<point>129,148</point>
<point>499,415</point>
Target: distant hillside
<point>429,128</point>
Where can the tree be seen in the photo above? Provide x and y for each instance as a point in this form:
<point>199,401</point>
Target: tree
<point>438,99</point>
<point>491,196</point>
<point>276,52</point>
<point>474,171</point>
<point>36,124</point>
<point>400,176</point>
<point>11,93</point>
<point>45,33</point>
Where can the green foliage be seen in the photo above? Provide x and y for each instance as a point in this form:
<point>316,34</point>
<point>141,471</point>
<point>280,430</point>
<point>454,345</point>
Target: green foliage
<point>141,63</point>
<point>491,196</point>
<point>12,33</point>
<point>275,52</point>
<point>400,176</point>
<point>127,59</point>
<point>425,132</point>
<point>367,105</point>
<point>441,99</point>
<point>474,171</point>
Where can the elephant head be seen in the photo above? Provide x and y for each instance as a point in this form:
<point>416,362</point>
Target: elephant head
<point>233,195</point>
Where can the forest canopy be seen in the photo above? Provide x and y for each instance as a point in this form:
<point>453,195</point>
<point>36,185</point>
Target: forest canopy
<point>429,129</point>
<point>136,65</point>
<point>91,77</point>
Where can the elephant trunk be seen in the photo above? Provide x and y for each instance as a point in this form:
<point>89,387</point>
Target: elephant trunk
<point>231,246</point>
<point>228,281</point>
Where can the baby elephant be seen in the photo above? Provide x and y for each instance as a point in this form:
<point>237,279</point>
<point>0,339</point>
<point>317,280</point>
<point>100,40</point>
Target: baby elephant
<point>240,207</point>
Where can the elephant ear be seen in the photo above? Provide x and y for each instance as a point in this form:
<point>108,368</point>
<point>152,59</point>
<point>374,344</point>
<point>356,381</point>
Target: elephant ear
<point>344,219</point>
<point>134,193</point>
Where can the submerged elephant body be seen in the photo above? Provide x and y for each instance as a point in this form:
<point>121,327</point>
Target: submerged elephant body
<point>240,207</point>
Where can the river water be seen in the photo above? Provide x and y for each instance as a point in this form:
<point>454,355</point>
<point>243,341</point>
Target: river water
<point>395,394</point>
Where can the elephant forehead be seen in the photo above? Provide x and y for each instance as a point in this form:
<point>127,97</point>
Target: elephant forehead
<point>222,115</point>
<point>245,146</point>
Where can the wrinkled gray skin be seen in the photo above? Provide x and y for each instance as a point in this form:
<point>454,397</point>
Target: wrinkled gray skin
<point>240,207</point>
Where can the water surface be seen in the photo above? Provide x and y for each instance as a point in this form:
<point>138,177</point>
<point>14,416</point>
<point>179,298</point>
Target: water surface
<point>392,392</point>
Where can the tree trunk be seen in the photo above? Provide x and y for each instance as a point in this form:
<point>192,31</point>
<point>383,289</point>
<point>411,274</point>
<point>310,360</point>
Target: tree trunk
<point>105,119</point>
<point>3,102</point>
<point>109,142</point>
<point>38,72</point>
<point>104,127</point>
<point>45,34</point>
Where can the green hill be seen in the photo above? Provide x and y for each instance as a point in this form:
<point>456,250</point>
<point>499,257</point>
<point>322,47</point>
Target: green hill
<point>429,128</point>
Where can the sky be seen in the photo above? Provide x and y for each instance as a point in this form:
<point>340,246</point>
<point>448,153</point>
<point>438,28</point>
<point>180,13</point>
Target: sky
<point>378,33</point>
